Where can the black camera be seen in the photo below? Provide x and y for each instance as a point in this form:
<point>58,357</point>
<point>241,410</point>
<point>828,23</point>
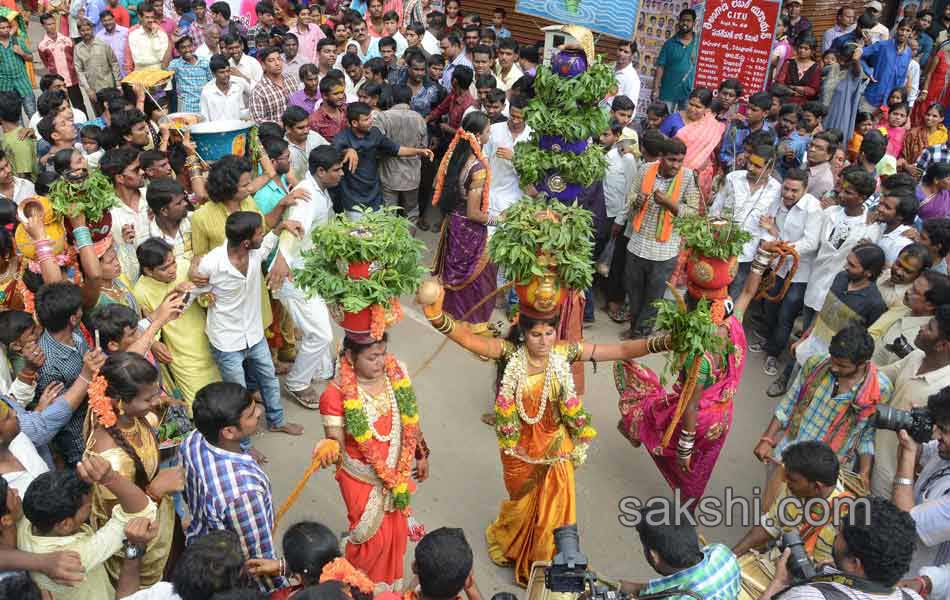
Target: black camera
<point>900,346</point>
<point>917,422</point>
<point>799,565</point>
<point>569,570</point>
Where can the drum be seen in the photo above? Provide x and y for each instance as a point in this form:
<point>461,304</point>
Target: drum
<point>758,570</point>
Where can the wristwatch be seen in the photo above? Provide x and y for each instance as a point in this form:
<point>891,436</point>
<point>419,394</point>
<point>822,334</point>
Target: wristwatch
<point>132,551</point>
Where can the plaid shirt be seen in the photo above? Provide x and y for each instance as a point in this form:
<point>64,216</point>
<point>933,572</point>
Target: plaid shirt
<point>189,81</point>
<point>716,577</point>
<point>229,491</point>
<point>822,409</point>
<point>643,243</point>
<point>64,364</point>
<point>13,77</point>
<point>934,154</point>
<point>269,101</point>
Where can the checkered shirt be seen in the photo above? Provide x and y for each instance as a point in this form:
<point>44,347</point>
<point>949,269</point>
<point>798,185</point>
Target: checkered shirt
<point>64,364</point>
<point>934,154</point>
<point>226,490</point>
<point>644,243</point>
<point>820,413</point>
<point>269,101</point>
<point>716,577</point>
<point>189,81</point>
<point>13,77</point>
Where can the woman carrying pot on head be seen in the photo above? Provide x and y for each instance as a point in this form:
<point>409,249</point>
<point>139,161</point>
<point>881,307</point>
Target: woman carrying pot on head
<point>542,427</point>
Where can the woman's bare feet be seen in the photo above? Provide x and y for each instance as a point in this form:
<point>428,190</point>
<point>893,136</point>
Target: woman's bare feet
<point>488,419</point>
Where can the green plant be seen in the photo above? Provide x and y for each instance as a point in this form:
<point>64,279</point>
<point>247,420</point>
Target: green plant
<point>535,225</point>
<point>575,124</point>
<point>532,163</point>
<point>381,237</point>
<point>92,196</point>
<point>693,333</point>
<point>558,93</point>
<point>716,239</point>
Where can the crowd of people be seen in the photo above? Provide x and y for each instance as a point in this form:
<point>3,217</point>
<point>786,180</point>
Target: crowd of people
<point>151,318</point>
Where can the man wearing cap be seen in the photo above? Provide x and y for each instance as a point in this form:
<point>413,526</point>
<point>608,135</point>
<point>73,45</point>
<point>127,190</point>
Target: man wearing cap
<point>844,23</point>
<point>879,32</point>
<point>799,25</point>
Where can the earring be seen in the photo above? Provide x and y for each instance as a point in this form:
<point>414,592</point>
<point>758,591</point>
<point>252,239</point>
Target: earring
<point>121,408</point>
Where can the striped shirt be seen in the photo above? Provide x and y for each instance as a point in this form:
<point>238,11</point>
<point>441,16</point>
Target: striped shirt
<point>716,577</point>
<point>822,409</point>
<point>229,491</point>
<point>269,100</point>
<point>190,78</point>
<point>64,364</point>
<point>13,77</point>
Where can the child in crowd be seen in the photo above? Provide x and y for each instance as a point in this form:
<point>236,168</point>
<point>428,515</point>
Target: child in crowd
<point>90,145</point>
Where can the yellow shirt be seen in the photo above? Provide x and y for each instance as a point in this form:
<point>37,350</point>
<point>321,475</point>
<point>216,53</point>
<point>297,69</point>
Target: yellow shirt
<point>193,367</point>
<point>207,233</point>
<point>94,549</point>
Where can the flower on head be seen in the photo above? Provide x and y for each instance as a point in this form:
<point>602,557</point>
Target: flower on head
<point>101,404</point>
<point>340,569</point>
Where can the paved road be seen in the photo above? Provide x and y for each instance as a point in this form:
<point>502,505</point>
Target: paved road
<point>465,485</point>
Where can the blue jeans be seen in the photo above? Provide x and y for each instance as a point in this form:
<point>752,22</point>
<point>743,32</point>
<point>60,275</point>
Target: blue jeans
<point>261,367</point>
<point>780,316</point>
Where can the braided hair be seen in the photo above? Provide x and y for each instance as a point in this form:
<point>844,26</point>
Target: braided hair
<point>125,373</point>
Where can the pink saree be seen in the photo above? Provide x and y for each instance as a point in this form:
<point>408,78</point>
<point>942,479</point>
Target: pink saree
<point>646,409</point>
<point>701,139</point>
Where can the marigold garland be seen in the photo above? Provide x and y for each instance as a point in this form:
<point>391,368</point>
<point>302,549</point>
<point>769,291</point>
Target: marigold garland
<point>358,425</point>
<point>101,404</point>
<point>508,421</point>
<point>444,166</point>
<point>340,569</point>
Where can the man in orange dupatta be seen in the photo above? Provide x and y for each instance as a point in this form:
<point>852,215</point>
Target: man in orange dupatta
<point>663,190</point>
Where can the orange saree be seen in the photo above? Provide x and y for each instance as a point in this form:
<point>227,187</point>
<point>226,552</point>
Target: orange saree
<point>539,478</point>
<point>378,533</point>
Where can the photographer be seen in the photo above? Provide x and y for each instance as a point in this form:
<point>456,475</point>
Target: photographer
<point>811,471</point>
<point>674,552</point>
<point>895,330</point>
<point>923,372</point>
<point>928,498</point>
<point>871,553</point>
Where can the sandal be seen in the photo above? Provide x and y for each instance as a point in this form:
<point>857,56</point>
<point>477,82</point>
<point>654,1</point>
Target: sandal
<point>620,315</point>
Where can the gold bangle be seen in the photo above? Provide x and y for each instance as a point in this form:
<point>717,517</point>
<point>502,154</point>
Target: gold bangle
<point>435,318</point>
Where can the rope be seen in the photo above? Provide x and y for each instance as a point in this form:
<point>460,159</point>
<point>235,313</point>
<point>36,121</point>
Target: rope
<point>782,251</point>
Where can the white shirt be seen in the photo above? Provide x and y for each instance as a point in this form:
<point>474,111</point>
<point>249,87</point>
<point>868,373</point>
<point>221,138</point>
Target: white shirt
<point>737,202</point>
<point>123,215</point>
<point>800,226</point>
<point>839,234</point>
<point>832,33</point>
<point>180,242</point>
<point>78,117</point>
<point>932,512</point>
<point>234,319</point>
<point>300,156</point>
<point>505,82</point>
<point>22,189</point>
<point>250,67</point>
<point>401,44</point>
<point>218,105</point>
<point>879,32</point>
<point>892,243</point>
<point>913,81</point>
<point>505,187</point>
<point>203,51</point>
<point>628,83</point>
<point>163,590</point>
<point>33,466</point>
<point>430,43</point>
<point>621,168</point>
<point>318,210</point>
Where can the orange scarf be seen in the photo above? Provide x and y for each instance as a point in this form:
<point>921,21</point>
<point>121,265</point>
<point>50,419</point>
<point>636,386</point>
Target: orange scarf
<point>664,226</point>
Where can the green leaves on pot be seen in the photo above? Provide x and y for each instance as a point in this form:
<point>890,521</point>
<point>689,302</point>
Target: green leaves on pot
<point>573,124</point>
<point>532,164</point>
<point>380,237</point>
<point>715,238</point>
<point>693,333</point>
<point>558,93</point>
<point>535,225</point>
<point>93,196</point>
